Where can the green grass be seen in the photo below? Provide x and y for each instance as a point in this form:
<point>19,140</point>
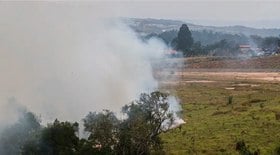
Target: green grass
<point>213,126</point>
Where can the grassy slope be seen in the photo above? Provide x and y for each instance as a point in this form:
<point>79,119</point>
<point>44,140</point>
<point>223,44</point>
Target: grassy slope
<point>213,127</point>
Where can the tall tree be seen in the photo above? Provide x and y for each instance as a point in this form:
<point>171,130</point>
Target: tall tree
<point>184,40</point>
<point>146,119</point>
<point>103,130</point>
<point>137,134</point>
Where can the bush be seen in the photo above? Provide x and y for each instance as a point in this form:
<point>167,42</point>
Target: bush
<point>230,100</point>
<point>277,115</point>
<point>244,150</point>
<point>277,151</point>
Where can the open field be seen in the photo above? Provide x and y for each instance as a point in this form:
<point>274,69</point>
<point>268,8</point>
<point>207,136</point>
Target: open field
<point>266,63</point>
<point>269,62</point>
<point>213,123</point>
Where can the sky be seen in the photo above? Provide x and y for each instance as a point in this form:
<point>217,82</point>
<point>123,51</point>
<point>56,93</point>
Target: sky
<point>260,14</point>
<point>253,13</point>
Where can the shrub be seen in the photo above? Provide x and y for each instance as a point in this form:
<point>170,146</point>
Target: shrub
<point>230,100</point>
<point>244,150</point>
<point>277,115</point>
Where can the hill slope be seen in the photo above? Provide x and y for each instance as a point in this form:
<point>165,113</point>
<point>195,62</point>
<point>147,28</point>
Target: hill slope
<point>149,25</point>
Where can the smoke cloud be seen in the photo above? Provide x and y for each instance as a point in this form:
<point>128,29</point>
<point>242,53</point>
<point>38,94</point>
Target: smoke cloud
<point>62,61</point>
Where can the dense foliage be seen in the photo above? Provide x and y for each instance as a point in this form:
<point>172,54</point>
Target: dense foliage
<point>210,37</point>
<point>209,43</point>
<point>266,43</point>
<point>184,41</point>
<point>138,133</point>
<point>103,129</point>
<point>145,121</point>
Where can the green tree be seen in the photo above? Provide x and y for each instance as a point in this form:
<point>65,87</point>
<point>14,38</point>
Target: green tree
<point>270,42</point>
<point>198,49</point>
<point>60,138</point>
<point>146,119</point>
<point>223,48</point>
<point>103,128</point>
<point>138,133</point>
<point>267,42</point>
<point>257,40</point>
<point>168,36</point>
<point>86,148</point>
<point>184,40</point>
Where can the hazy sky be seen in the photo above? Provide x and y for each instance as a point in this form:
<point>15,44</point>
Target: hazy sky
<point>256,13</point>
<point>207,12</point>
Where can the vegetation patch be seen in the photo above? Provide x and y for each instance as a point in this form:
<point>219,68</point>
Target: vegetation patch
<point>214,127</point>
<point>256,100</point>
<point>220,112</point>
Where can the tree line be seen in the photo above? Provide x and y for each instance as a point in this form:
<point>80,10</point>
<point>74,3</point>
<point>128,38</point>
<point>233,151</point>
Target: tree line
<point>145,119</point>
<point>209,43</point>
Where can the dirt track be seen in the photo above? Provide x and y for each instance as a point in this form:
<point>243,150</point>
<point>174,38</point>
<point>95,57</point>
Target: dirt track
<point>264,76</point>
<point>212,77</point>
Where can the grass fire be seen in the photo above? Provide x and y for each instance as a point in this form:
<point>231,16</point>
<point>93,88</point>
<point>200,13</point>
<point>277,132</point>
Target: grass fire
<point>143,77</point>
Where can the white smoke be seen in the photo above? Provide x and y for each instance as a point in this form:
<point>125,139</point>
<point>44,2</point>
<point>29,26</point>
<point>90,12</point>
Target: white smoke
<point>63,61</point>
<point>176,109</point>
<point>10,112</point>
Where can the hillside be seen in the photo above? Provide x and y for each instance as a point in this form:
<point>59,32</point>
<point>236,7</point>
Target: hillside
<point>148,25</point>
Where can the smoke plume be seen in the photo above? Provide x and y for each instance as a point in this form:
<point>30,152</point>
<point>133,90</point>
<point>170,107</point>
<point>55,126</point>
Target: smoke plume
<point>62,61</point>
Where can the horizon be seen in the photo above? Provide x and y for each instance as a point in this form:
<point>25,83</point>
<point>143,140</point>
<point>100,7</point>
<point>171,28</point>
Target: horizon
<point>249,13</point>
<point>204,23</point>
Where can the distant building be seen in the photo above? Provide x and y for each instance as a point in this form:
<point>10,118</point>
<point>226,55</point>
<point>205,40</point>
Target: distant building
<point>173,53</point>
<point>244,48</point>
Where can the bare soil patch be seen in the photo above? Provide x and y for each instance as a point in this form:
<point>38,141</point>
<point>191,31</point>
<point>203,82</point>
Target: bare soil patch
<point>264,76</point>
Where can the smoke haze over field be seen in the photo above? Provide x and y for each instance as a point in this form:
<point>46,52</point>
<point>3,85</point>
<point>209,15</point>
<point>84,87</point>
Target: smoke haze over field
<point>62,61</point>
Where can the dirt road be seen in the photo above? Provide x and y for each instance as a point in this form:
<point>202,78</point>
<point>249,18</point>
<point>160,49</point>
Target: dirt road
<point>263,76</point>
